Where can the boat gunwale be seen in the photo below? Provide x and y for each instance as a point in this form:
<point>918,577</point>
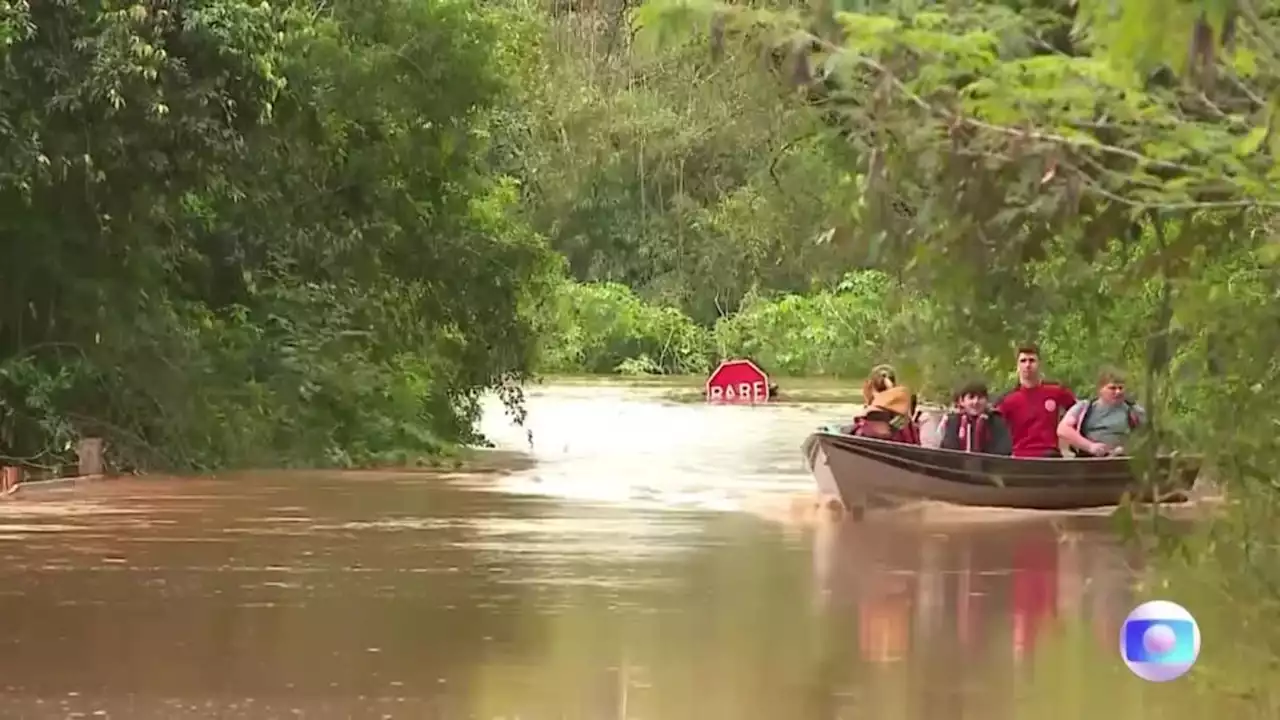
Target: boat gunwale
<point>1181,470</point>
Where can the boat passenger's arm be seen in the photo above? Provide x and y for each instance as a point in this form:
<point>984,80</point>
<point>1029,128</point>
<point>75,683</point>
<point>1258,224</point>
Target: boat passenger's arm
<point>940,434</point>
<point>999,404</point>
<point>936,432</point>
<point>1067,428</point>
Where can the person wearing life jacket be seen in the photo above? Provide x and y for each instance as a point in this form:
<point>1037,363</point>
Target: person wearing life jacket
<point>973,426</point>
<point>1101,426</point>
<point>889,417</point>
<point>882,378</point>
<point>1034,409</point>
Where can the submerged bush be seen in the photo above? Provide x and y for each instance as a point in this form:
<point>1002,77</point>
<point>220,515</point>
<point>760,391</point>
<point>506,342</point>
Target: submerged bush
<point>840,332</point>
<point>607,328</point>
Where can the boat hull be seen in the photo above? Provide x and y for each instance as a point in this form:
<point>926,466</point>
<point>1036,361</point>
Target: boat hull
<point>865,472</point>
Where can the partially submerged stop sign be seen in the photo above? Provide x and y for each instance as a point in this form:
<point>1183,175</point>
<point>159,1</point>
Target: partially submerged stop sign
<point>739,382</point>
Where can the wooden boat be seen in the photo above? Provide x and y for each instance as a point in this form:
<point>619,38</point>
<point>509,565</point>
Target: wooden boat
<point>867,472</point>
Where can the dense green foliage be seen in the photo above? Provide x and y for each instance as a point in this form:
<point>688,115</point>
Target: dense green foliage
<point>241,233</point>
<point>606,327</point>
<point>691,183</point>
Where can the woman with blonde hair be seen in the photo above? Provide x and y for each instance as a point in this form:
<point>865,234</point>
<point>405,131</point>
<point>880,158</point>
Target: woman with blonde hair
<point>889,416</point>
<point>882,378</point>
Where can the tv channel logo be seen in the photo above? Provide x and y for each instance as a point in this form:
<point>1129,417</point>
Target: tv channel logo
<point>1160,641</point>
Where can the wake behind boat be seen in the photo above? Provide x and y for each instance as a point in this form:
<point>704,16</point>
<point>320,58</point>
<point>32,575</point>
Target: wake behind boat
<point>868,472</point>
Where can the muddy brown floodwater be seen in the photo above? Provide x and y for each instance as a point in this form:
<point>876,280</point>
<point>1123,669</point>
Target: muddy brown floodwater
<point>654,565</point>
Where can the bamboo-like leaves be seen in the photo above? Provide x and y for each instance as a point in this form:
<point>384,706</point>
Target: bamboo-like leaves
<point>1124,139</point>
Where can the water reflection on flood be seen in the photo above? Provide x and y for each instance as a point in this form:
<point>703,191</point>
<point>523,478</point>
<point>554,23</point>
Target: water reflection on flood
<point>628,576</point>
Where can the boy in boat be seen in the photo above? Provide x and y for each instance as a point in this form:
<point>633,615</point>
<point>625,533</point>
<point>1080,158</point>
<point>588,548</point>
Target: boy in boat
<point>973,426</point>
<point>1034,409</point>
<point>889,417</point>
<point>1101,426</point>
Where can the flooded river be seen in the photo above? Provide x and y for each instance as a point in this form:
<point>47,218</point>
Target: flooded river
<point>660,563</point>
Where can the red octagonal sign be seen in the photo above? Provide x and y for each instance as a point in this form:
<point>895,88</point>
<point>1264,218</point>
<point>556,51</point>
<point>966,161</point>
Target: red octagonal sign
<point>738,382</point>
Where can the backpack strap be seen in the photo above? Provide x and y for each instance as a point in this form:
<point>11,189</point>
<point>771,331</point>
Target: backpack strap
<point>1131,414</point>
<point>1088,409</point>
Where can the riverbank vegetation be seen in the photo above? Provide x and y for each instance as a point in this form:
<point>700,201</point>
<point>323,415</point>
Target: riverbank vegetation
<point>241,234</point>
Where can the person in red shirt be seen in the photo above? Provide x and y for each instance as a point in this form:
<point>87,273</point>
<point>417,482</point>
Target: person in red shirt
<point>1033,409</point>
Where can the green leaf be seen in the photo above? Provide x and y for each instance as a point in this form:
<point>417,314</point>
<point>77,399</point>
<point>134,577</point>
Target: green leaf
<point>1251,142</point>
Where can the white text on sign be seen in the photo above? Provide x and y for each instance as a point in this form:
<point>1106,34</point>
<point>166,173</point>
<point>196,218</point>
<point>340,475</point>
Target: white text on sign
<point>754,391</point>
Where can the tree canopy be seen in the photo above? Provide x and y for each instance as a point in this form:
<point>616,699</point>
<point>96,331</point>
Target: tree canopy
<point>231,227</point>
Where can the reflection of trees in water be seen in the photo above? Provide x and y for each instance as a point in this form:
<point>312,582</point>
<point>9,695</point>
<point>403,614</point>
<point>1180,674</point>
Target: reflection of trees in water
<point>958,607</point>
